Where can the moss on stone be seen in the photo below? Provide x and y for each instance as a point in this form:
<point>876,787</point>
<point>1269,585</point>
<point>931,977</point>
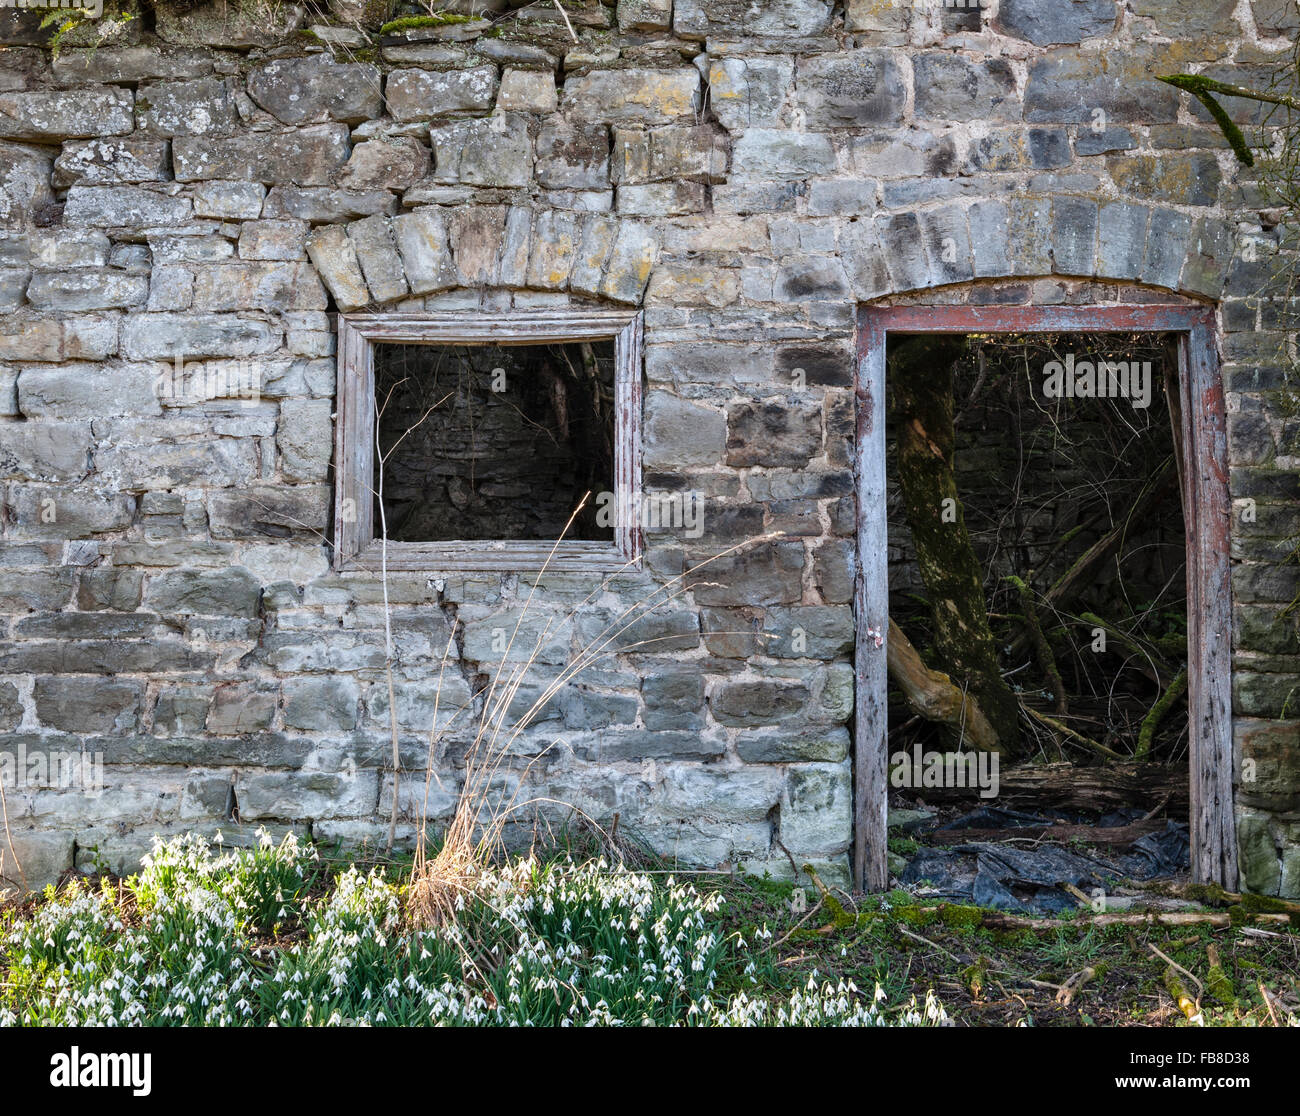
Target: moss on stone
<point>412,23</point>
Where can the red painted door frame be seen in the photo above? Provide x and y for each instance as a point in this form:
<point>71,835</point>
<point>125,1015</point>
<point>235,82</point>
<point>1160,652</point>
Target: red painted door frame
<point>1206,511</point>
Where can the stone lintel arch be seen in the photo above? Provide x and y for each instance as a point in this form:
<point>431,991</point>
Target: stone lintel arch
<point>382,261</point>
<point>1202,435</point>
<point>1024,238</point>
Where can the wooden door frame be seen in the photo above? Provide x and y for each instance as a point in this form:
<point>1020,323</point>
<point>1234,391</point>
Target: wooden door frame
<point>1207,513</point>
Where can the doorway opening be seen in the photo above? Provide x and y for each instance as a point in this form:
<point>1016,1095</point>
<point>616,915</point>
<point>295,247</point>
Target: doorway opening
<point>1043,624</point>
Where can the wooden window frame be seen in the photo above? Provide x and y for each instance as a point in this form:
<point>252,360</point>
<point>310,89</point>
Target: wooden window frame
<point>1207,511</point>
<point>356,546</point>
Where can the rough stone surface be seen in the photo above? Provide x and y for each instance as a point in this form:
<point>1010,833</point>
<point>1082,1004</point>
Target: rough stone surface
<point>647,96</point>
<point>316,88</point>
<point>103,162</point>
<point>201,107</point>
<point>309,156</point>
<point>703,18</point>
<point>750,92</point>
<point>1066,21</point>
<point>47,115</point>
<point>421,94</point>
<point>851,90</point>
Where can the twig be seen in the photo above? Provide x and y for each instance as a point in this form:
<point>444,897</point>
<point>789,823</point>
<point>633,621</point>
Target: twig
<point>1074,984</point>
<point>565,16</point>
<point>9,839</point>
<point>1069,733</point>
<point>926,941</point>
<point>1268,1003</point>
<point>1082,899</point>
<point>1170,961</point>
<point>786,936</point>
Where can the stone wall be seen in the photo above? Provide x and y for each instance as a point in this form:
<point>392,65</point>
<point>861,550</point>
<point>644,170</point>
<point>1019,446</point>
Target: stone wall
<point>211,184</point>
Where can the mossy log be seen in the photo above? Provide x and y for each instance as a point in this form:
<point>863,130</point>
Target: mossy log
<point>995,920</point>
<point>1117,835</point>
<point>1180,994</point>
<point>1152,720</point>
<point>1103,787</point>
<point>1217,980</point>
<point>1145,658</point>
<point>921,385</point>
<point>1062,729</point>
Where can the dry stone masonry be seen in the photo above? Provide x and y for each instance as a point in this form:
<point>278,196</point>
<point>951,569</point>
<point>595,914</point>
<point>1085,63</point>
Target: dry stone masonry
<point>184,208</point>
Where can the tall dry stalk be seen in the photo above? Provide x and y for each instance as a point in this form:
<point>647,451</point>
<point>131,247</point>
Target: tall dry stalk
<point>9,837</point>
<point>475,833</point>
<point>382,459</point>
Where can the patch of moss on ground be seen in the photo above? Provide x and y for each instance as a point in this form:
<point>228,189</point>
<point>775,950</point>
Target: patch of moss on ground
<point>782,890</point>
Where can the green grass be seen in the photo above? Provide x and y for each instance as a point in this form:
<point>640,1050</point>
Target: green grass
<point>990,976</point>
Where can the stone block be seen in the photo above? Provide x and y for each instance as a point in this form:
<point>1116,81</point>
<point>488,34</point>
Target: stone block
<point>73,703</point>
<point>1059,21</point>
<point>767,154</point>
<point>110,162</point>
<point>758,703</point>
<point>229,592</point>
<point>316,88</point>
<point>679,433</point>
<point>854,90</point>
<point>425,94</point>
<point>527,91</point>
<point>951,87</point>
<point>376,251</point>
<point>51,115</point>
<point>750,92</point>
<point>334,255</point>
<point>304,437</point>
<point>309,156</point>
<point>241,708</point>
<point>131,207</point>
<point>192,107</point>
<point>92,289</point>
<point>643,95</point>
<point>385,163</point>
<point>572,156</point>
<point>702,19</point>
<point>424,244</point>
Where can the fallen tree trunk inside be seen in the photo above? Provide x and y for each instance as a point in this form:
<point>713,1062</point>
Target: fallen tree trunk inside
<point>932,695</point>
<point>1096,834</point>
<point>1087,788</point>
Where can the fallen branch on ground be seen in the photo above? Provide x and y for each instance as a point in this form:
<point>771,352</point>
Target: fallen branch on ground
<point>1073,985</point>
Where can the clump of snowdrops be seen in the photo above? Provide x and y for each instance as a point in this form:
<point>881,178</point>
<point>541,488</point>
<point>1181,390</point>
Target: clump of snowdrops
<point>266,936</point>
